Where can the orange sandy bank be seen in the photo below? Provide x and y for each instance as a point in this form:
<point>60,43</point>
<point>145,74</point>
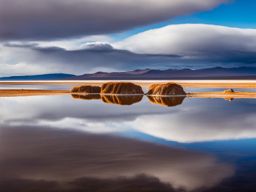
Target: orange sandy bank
<point>228,96</point>
<point>27,92</point>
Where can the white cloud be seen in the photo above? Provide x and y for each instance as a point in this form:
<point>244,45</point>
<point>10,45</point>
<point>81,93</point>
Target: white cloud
<point>23,60</point>
<point>192,40</point>
<point>75,43</point>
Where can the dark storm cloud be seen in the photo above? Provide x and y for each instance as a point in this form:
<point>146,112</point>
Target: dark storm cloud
<point>97,56</point>
<point>47,19</point>
<point>35,60</point>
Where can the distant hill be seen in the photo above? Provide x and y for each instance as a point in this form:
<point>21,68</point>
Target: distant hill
<point>55,76</point>
<point>149,74</point>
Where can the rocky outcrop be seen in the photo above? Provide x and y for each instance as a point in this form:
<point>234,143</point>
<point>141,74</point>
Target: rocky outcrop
<point>86,97</point>
<point>166,89</point>
<point>87,89</point>
<point>166,101</point>
<point>121,88</point>
<point>229,91</point>
<point>121,99</point>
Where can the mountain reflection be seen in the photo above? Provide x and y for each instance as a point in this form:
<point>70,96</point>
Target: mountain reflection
<point>39,155</point>
<point>166,101</point>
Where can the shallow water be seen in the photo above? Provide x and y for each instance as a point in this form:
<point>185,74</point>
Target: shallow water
<point>65,143</point>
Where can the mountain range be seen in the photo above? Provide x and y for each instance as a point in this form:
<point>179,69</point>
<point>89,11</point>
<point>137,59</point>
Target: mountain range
<point>149,74</point>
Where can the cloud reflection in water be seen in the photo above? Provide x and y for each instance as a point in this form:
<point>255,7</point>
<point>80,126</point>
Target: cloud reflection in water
<point>41,153</point>
<point>34,144</point>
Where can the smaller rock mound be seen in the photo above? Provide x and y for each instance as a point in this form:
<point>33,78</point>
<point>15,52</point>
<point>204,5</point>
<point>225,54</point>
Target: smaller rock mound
<point>166,101</point>
<point>166,89</point>
<point>87,89</point>
<point>229,91</point>
<point>121,99</point>
<point>121,88</point>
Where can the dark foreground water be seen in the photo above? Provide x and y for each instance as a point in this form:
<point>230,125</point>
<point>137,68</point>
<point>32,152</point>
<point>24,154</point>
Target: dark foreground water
<point>71,144</point>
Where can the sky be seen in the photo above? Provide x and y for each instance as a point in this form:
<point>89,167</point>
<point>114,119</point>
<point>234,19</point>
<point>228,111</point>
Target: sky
<point>86,36</point>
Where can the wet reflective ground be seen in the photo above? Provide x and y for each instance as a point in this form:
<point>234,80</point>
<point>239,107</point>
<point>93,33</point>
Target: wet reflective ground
<point>69,143</point>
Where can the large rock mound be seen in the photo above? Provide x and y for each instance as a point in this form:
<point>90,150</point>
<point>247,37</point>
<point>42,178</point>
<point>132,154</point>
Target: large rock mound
<point>86,89</point>
<point>121,88</point>
<point>166,89</point>
<point>166,101</point>
<point>121,99</point>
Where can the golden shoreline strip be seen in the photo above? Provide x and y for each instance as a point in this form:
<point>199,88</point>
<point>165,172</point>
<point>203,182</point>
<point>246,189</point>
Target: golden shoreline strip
<point>235,95</point>
<point>146,83</point>
<point>30,92</point>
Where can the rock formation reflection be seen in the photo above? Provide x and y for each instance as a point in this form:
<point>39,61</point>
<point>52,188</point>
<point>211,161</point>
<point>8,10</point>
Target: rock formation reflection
<point>111,99</point>
<point>121,99</point>
<point>170,101</point>
<point>86,96</point>
<point>87,89</point>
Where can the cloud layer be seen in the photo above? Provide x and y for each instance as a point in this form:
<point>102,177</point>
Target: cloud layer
<point>47,19</point>
<point>174,46</point>
<point>18,60</point>
<point>194,41</point>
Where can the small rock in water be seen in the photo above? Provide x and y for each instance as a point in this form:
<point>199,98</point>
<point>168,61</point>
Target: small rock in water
<point>229,91</point>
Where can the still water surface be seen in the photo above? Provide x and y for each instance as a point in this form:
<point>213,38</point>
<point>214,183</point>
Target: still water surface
<point>65,143</point>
